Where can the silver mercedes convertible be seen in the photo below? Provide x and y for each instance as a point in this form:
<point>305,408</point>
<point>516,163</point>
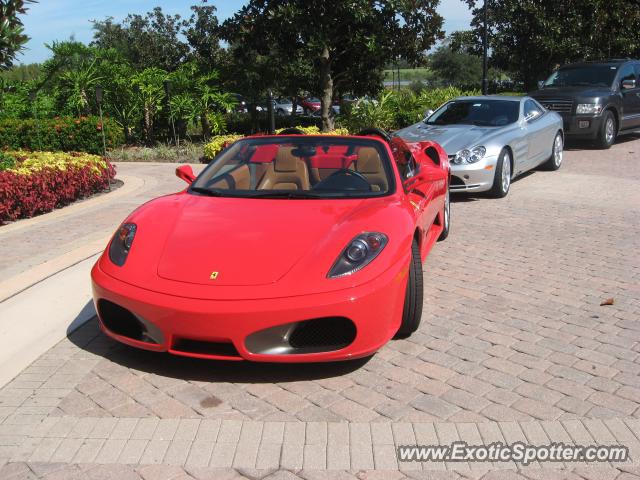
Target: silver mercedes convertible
<point>492,139</point>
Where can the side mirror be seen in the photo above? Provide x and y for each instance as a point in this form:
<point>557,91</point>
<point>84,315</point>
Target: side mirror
<point>628,84</point>
<point>540,84</point>
<point>185,172</point>
<point>427,114</point>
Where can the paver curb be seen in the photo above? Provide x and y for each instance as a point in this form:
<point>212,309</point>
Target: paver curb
<point>23,281</point>
<point>292,445</point>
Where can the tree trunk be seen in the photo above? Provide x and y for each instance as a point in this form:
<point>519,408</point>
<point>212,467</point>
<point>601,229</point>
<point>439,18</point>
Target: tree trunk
<point>148,125</point>
<point>206,129</point>
<point>326,84</point>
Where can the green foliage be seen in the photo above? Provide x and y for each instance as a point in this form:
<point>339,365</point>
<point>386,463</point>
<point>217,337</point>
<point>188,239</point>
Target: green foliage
<point>218,143</point>
<point>23,73</point>
<point>394,110</point>
<point>455,68</point>
<point>12,37</point>
<point>530,37</point>
<point>16,101</point>
<point>348,43</point>
<point>6,161</point>
<point>246,124</point>
<point>60,134</point>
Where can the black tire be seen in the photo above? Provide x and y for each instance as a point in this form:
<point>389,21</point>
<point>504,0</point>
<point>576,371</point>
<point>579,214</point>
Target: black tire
<point>499,189</point>
<point>555,160</point>
<point>447,217</point>
<point>607,137</point>
<point>412,313</point>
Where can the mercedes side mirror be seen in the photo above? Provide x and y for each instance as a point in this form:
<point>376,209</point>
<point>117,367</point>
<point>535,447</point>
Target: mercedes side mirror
<point>628,84</point>
<point>427,114</point>
<point>540,84</point>
<point>185,172</point>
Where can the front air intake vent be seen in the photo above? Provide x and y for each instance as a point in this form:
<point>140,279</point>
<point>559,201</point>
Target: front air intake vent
<point>330,333</point>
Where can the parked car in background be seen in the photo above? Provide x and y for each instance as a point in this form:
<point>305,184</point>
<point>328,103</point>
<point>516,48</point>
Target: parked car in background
<point>310,104</point>
<point>597,100</point>
<point>313,104</point>
<point>241,103</point>
<point>281,106</point>
<point>492,139</point>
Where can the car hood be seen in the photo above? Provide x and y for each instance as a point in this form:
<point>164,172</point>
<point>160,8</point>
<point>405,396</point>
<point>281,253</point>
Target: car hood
<point>452,138</point>
<point>256,245</point>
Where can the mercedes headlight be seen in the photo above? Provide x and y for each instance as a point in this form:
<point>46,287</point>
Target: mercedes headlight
<point>358,254</point>
<point>588,109</point>
<point>121,243</point>
<point>472,155</point>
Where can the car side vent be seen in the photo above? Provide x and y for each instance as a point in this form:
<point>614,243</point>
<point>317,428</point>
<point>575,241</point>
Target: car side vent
<point>432,153</point>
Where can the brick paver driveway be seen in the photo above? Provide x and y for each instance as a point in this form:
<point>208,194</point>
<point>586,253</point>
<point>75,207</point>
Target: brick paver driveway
<point>514,345</point>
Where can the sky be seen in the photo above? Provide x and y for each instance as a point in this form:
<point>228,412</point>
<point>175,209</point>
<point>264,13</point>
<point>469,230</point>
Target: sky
<point>51,20</point>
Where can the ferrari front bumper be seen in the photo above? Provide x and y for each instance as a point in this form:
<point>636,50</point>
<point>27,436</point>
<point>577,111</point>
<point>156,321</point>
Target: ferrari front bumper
<point>228,329</point>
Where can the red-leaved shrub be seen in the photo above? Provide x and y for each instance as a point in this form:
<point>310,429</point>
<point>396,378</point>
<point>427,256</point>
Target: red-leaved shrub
<point>23,196</point>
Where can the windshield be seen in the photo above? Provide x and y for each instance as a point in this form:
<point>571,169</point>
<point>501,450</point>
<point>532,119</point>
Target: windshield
<point>298,167</point>
<point>587,75</point>
<point>488,113</point>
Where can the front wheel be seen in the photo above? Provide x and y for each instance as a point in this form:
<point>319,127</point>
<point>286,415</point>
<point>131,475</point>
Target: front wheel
<point>608,131</point>
<point>502,178</point>
<point>446,216</point>
<point>412,313</point>
<point>555,160</point>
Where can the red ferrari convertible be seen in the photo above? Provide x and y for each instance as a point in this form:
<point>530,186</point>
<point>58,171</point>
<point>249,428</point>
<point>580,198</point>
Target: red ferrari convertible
<point>288,248</point>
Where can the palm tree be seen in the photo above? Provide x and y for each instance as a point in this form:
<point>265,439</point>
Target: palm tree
<point>77,83</point>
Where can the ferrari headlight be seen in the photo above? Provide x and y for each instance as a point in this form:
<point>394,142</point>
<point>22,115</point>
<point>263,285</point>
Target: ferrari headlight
<point>467,155</point>
<point>588,109</point>
<point>358,253</point>
<point>121,243</point>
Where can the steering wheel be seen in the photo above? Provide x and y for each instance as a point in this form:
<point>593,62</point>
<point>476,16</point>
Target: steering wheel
<point>344,179</point>
<point>347,172</point>
<point>375,132</point>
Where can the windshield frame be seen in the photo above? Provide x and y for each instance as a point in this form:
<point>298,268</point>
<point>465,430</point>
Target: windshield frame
<point>614,68</point>
<point>442,108</point>
<point>196,189</point>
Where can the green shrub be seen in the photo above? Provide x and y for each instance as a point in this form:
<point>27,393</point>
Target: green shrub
<point>60,134</point>
<point>394,110</point>
<point>6,161</point>
<point>244,124</point>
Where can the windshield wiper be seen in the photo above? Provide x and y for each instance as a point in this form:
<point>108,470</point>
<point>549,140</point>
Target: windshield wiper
<point>211,192</point>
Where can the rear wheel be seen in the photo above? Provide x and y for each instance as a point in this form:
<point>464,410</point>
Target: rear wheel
<point>412,313</point>
<point>502,178</point>
<point>608,131</point>
<point>446,216</point>
<point>555,160</point>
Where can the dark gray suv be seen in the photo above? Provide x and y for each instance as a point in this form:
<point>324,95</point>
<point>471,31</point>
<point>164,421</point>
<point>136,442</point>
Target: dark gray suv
<point>597,100</point>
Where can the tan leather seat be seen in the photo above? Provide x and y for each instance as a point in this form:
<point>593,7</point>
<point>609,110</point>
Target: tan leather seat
<point>370,166</point>
<point>286,172</point>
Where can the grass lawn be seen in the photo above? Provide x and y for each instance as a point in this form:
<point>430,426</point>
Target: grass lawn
<point>409,74</point>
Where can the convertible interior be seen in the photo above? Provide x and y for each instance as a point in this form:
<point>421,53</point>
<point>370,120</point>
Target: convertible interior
<point>303,168</point>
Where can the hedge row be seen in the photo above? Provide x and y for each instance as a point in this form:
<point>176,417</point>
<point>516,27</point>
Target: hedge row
<point>220,142</point>
<point>41,182</point>
<point>66,134</point>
